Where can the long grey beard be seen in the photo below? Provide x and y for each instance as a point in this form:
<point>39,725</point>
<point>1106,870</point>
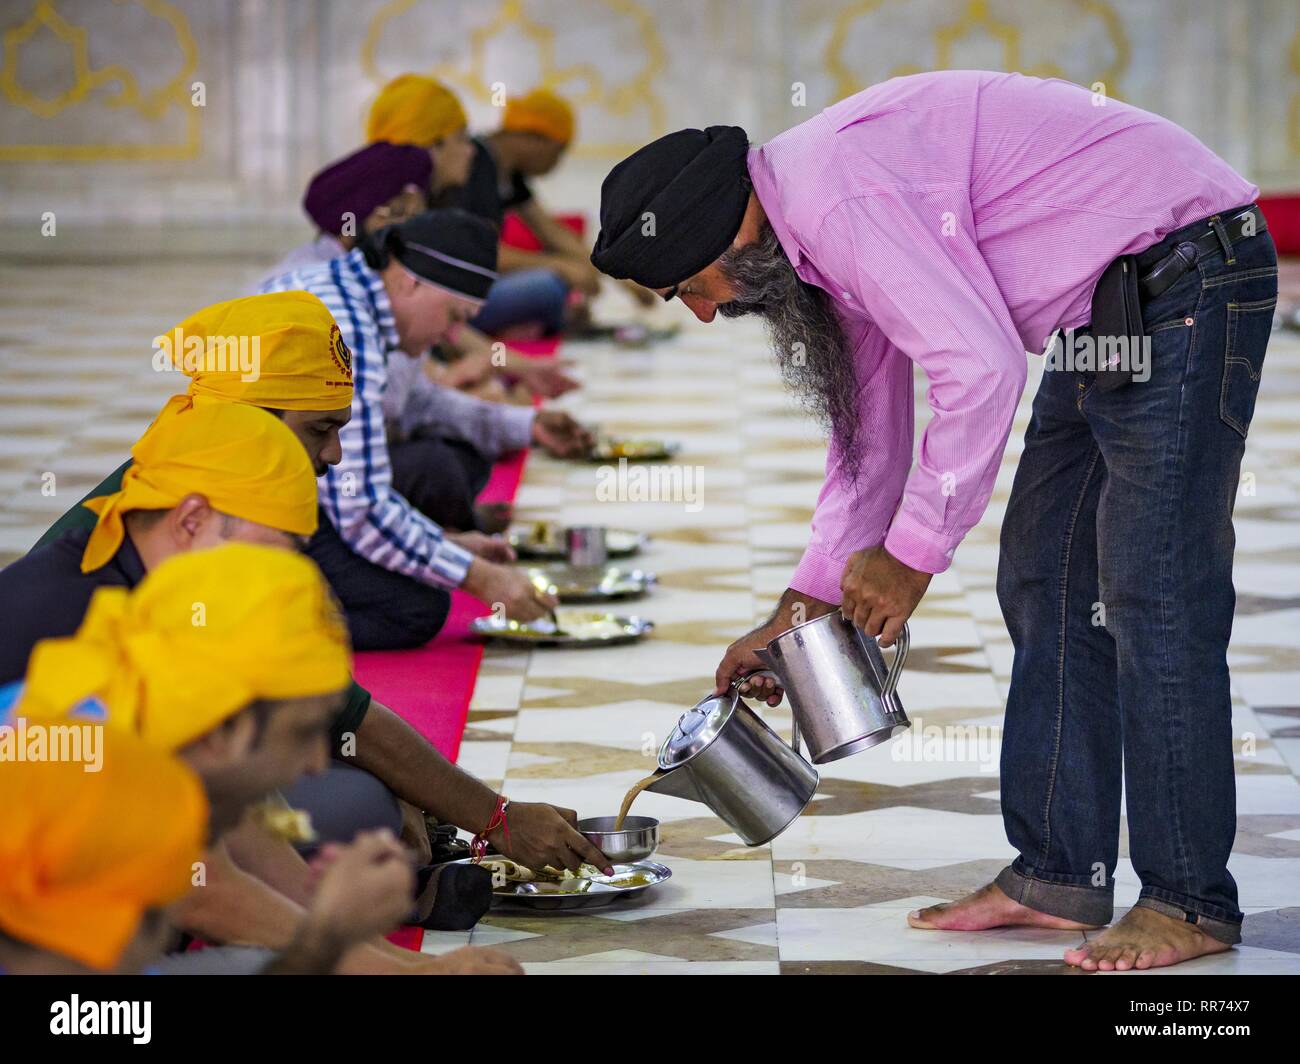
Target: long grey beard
<point>806,336</point>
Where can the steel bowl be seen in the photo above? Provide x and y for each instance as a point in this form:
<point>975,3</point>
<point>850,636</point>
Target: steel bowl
<point>636,840</point>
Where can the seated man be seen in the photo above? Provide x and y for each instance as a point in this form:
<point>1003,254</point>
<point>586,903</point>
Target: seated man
<point>302,375</point>
<point>421,111</point>
<point>393,296</point>
<point>381,184</point>
<point>536,130</point>
<point>384,184</point>
<point>234,659</point>
<point>88,859</point>
<point>220,472</point>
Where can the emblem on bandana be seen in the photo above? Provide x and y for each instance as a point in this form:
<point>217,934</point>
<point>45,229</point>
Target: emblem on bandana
<point>342,356</point>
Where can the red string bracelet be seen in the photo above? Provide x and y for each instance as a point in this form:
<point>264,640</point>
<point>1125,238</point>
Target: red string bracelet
<point>479,843</point>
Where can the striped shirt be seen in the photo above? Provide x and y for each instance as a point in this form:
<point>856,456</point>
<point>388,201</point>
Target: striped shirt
<point>957,219</point>
<point>357,494</point>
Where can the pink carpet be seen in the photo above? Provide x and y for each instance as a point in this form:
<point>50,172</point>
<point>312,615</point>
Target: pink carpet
<point>431,687</point>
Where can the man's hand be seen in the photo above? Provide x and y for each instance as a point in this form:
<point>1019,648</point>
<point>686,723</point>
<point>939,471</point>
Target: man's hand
<point>468,370</point>
<point>880,593</point>
<point>576,273</point>
<point>544,376</point>
<point>493,548</point>
<point>543,835</point>
<point>740,660</point>
<point>561,435</point>
<point>519,596</point>
<point>362,889</point>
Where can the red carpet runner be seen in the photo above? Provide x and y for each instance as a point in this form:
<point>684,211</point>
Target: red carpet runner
<point>431,687</point>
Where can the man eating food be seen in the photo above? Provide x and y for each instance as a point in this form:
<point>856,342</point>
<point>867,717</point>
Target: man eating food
<point>954,220</point>
<point>236,660</point>
<point>393,296</point>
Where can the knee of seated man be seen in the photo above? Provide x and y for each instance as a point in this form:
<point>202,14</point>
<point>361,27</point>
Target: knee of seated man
<point>417,616</point>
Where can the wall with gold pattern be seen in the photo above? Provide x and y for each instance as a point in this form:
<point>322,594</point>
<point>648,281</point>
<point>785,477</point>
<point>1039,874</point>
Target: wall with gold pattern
<point>220,109</point>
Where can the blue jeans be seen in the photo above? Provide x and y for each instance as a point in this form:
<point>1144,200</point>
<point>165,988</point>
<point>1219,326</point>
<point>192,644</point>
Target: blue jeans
<point>521,297</point>
<point>1115,581</point>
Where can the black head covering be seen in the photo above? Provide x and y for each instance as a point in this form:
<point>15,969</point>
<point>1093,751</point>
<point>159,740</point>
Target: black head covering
<point>696,185</point>
<point>450,248</point>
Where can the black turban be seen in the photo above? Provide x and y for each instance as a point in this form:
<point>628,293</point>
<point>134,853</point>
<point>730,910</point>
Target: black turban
<point>696,185</point>
<point>450,248</point>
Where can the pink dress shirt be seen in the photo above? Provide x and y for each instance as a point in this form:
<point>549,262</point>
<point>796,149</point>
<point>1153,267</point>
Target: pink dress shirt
<point>957,219</point>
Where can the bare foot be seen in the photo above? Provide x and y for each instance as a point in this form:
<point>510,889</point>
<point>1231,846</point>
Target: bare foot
<point>987,907</point>
<point>1143,939</point>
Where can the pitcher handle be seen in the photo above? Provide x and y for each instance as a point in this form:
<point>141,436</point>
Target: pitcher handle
<point>795,738</point>
<point>901,648</point>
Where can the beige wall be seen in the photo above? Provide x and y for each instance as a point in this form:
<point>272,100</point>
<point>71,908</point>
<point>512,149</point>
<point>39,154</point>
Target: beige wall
<point>96,119</point>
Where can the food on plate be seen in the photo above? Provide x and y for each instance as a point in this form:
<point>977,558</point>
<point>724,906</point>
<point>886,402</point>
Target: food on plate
<point>283,821</point>
<point>549,880</point>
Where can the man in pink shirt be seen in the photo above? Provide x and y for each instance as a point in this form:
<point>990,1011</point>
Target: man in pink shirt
<point>956,220</point>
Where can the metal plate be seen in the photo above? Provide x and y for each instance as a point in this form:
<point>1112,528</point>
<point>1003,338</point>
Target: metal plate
<point>545,539</point>
<point>611,449</point>
<point>597,583</point>
<point>601,891</point>
<point>604,629</point>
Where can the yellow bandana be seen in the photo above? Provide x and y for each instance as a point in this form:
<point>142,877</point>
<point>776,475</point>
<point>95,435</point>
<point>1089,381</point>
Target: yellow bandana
<point>243,460</point>
<point>540,111</point>
<point>414,109</point>
<point>83,854</point>
<point>200,638</point>
<point>282,351</point>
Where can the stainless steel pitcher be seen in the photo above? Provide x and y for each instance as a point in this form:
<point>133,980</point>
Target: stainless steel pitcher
<point>842,696</point>
<point>722,754</point>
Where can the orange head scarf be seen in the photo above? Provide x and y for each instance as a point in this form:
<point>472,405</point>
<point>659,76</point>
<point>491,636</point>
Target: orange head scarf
<point>201,637</point>
<point>414,109</point>
<point>540,111</point>
<point>246,462</point>
<point>84,854</point>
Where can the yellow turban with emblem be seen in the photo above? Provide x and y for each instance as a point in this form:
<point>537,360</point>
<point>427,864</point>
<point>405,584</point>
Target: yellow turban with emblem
<point>83,855</point>
<point>201,637</point>
<point>282,351</point>
<point>246,462</point>
<point>540,111</point>
<point>414,109</point>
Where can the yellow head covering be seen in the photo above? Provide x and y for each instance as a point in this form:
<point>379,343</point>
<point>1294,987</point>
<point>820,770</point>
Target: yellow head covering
<point>414,109</point>
<point>282,351</point>
<point>245,461</point>
<point>540,111</point>
<point>84,854</point>
<point>199,639</point>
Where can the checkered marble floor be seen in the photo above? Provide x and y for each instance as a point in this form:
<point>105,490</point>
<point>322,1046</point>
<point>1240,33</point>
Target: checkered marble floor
<point>890,829</point>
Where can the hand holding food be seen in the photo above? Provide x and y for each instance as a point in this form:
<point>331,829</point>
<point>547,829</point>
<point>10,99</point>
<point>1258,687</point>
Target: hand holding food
<point>542,835</point>
<point>561,435</point>
<point>511,588</point>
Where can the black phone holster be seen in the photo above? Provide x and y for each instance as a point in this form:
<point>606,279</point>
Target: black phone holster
<point>1116,314</point>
